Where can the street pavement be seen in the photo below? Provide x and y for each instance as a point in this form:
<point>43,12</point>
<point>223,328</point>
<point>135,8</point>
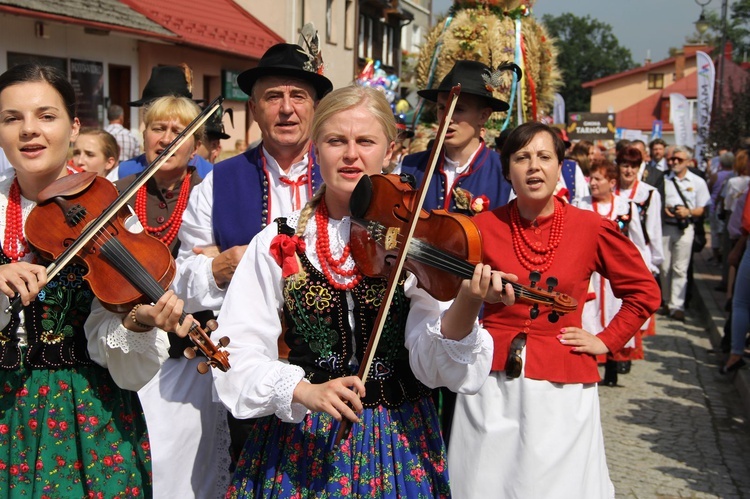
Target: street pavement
<point>676,427</point>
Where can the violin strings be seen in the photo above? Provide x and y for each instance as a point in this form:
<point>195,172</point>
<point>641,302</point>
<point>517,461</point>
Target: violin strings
<point>130,267</point>
<point>430,255</point>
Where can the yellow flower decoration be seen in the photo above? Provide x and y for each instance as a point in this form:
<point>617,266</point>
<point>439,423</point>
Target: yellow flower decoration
<point>318,297</point>
<point>374,295</point>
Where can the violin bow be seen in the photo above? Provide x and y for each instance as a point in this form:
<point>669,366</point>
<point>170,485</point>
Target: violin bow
<point>94,227</point>
<point>398,265</point>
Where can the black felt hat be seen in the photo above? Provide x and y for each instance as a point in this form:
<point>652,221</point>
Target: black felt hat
<point>474,78</point>
<point>403,129</point>
<point>214,127</point>
<point>164,80</point>
<point>285,59</point>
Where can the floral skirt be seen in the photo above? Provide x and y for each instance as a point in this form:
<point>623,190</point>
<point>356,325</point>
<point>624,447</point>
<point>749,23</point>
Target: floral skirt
<point>71,433</point>
<point>394,453</point>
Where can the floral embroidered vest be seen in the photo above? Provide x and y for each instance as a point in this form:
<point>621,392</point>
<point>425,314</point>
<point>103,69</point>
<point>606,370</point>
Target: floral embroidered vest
<point>54,324</point>
<point>321,341</point>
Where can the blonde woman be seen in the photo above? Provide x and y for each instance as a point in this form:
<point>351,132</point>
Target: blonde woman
<point>300,269</point>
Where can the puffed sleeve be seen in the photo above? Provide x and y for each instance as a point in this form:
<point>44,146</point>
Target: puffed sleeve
<point>132,358</point>
<point>194,281</point>
<point>258,383</point>
<point>462,366</point>
<point>618,260</point>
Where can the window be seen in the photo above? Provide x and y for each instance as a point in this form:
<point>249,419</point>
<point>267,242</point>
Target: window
<point>330,21</point>
<point>655,80</point>
<point>365,36</point>
<point>389,35</point>
<point>349,24</point>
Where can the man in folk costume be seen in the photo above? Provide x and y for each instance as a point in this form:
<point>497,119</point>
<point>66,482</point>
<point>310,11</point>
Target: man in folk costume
<point>245,193</point>
<point>164,80</point>
<point>468,178</point>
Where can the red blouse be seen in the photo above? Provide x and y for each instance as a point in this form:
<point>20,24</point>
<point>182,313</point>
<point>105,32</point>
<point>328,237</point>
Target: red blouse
<point>589,243</point>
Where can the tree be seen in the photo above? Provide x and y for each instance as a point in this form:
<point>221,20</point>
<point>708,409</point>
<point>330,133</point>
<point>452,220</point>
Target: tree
<point>731,127</point>
<point>587,50</point>
<point>737,30</point>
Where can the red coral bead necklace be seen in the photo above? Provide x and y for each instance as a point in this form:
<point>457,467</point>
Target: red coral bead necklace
<point>175,220</point>
<point>329,264</point>
<point>531,256</point>
<point>14,225</point>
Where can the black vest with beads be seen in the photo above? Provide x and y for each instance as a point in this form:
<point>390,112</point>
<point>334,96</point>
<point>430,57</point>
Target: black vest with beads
<point>54,324</point>
<point>321,341</point>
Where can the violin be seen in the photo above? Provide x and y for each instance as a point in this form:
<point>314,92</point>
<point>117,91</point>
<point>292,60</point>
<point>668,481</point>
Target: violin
<point>443,252</point>
<point>124,268</point>
<point>81,217</point>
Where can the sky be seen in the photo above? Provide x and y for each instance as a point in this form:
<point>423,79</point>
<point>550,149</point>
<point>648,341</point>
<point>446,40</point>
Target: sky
<point>643,26</point>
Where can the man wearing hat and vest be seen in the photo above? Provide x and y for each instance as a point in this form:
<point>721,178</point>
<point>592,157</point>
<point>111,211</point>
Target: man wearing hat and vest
<point>245,193</point>
<point>213,131</point>
<point>164,80</point>
<point>468,177</point>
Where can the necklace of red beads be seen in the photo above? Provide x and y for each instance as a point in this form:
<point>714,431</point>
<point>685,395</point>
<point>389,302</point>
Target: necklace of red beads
<point>323,249</point>
<point>14,225</point>
<point>608,216</point>
<point>533,257</point>
<point>175,220</point>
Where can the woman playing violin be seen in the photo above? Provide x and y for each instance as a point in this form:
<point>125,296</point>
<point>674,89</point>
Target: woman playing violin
<point>297,280</point>
<point>183,419</point>
<point>69,426</point>
<point>533,429</point>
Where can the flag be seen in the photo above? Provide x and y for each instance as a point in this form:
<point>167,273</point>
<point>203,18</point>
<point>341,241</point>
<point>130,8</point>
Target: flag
<point>558,109</point>
<point>679,116</point>
<point>706,78</point>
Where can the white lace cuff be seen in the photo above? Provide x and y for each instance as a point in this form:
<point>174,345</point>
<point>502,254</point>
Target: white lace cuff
<point>464,351</point>
<point>118,336</point>
<point>286,410</point>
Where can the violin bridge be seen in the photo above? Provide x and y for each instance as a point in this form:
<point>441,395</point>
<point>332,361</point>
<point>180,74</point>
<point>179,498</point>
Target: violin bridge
<point>391,238</point>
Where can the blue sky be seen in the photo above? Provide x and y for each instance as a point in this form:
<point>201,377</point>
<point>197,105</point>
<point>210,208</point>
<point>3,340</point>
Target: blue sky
<point>639,25</point>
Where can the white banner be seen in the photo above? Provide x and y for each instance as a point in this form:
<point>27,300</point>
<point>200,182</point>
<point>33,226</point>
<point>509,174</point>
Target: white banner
<point>679,116</point>
<point>558,109</point>
<point>706,78</point>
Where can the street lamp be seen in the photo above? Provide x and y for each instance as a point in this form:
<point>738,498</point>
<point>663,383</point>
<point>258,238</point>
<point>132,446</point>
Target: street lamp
<point>702,24</point>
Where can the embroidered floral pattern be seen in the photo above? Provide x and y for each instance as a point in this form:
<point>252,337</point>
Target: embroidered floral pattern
<point>71,433</point>
<point>393,453</point>
<point>319,297</point>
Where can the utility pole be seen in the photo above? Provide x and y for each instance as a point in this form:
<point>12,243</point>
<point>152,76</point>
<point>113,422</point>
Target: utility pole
<point>720,83</point>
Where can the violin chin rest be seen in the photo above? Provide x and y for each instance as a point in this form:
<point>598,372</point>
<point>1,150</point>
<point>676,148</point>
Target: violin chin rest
<point>67,186</point>
<point>361,197</point>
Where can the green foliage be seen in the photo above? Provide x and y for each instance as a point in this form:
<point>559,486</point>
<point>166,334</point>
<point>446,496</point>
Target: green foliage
<point>731,128</point>
<point>737,29</point>
<point>587,51</point>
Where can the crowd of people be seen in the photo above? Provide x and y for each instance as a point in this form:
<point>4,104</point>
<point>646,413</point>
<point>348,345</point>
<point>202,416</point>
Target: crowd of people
<point>485,395</point>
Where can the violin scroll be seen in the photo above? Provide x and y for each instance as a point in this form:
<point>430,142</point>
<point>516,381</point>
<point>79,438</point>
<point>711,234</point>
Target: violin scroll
<point>216,356</point>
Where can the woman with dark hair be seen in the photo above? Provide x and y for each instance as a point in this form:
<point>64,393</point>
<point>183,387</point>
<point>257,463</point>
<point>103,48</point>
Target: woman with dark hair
<point>648,200</point>
<point>533,429</point>
<point>69,426</point>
